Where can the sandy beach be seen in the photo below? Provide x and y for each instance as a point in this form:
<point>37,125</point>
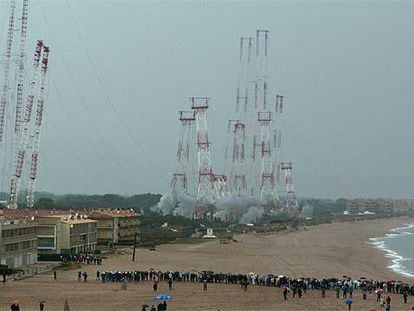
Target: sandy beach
<point>327,250</point>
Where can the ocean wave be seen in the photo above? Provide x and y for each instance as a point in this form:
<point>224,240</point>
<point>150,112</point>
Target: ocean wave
<point>396,259</point>
<point>404,227</point>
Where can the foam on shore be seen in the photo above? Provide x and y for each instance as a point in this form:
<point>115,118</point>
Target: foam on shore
<point>397,261</point>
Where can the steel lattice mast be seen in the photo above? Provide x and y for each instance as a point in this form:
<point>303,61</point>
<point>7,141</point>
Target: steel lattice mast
<point>20,159</point>
<point>239,182</point>
<point>37,128</point>
<point>268,192</point>
<point>291,204</point>
<point>4,99</point>
<point>206,195</point>
<point>179,181</point>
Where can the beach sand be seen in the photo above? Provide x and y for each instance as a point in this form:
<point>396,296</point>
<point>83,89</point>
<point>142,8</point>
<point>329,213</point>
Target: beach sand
<point>327,250</point>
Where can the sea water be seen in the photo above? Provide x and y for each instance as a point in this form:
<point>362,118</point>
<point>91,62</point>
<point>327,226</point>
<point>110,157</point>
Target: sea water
<point>399,249</point>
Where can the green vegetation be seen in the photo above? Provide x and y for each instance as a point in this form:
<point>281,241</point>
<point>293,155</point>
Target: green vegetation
<point>138,202</point>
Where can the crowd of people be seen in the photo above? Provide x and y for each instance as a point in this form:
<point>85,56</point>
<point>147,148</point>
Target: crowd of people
<point>85,259</point>
<point>343,287</point>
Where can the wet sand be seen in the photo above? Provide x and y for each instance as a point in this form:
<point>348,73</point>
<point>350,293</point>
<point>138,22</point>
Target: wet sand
<point>328,250</point>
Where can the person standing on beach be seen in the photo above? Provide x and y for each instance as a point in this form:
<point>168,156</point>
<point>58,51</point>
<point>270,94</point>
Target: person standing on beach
<point>285,292</point>
<point>405,295</point>
<point>337,290</point>
<point>15,306</point>
<point>205,285</point>
<point>54,275</point>
<point>388,300</point>
<point>42,306</point>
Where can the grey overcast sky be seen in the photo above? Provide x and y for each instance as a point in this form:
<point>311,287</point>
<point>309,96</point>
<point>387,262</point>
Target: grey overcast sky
<point>345,67</point>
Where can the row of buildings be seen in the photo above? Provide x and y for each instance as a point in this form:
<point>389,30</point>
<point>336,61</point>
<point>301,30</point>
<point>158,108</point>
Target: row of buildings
<point>25,234</point>
<point>379,205</point>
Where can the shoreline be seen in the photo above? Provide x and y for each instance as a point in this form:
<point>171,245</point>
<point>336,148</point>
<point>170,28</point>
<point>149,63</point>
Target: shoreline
<point>322,251</point>
<point>396,260</point>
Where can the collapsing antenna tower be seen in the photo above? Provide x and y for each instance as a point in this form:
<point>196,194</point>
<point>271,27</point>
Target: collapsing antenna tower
<point>20,157</point>
<point>4,99</point>
<point>268,193</point>
<point>291,204</point>
<point>179,182</point>
<point>205,189</point>
<point>37,128</point>
<point>239,182</point>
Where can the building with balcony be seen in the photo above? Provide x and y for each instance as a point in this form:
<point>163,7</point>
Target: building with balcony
<point>115,225</point>
<point>18,242</point>
<point>67,234</point>
<point>59,231</point>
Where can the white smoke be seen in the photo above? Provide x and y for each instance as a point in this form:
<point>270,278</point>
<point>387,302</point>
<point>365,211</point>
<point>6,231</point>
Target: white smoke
<point>253,214</point>
<point>182,205</point>
<point>234,207</point>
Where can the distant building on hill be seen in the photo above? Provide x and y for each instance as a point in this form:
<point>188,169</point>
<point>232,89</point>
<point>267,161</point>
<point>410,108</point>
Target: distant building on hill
<point>379,205</point>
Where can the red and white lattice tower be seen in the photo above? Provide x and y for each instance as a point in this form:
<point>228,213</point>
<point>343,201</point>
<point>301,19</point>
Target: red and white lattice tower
<point>268,191</point>
<point>239,182</point>
<point>206,194</point>
<point>220,185</point>
<point>291,204</point>
<point>179,181</point>
<point>5,94</point>
<point>242,92</point>
<point>37,127</point>
<point>20,157</point>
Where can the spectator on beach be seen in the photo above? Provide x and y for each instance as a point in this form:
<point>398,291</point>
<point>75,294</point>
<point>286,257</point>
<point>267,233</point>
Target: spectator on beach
<point>337,290</point>
<point>54,275</point>
<point>79,276</point>
<point>42,305</point>
<point>205,285</point>
<point>388,300</point>
<point>85,276</point>
<point>153,308</point>
<point>351,289</point>
<point>15,306</point>
<point>98,275</point>
<point>379,296</point>
<point>170,283</point>
<point>299,292</point>
<point>323,291</point>
<point>155,286</point>
<point>344,291</point>
<point>159,307</point>
<point>364,294</point>
<point>164,306</point>
<point>285,292</point>
<point>405,295</point>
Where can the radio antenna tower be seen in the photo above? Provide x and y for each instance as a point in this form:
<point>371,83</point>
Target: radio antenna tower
<point>206,180</point>
<point>239,182</point>
<point>242,94</point>
<point>4,99</point>
<point>37,128</point>
<point>179,182</point>
<point>268,191</point>
<point>20,158</point>
<point>291,204</point>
